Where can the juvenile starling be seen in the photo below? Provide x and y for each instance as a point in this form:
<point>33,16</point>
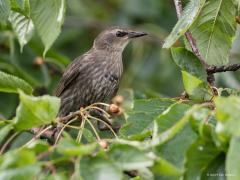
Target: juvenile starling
<point>95,76</point>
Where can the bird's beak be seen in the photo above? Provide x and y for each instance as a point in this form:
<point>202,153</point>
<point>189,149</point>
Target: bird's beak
<point>135,34</point>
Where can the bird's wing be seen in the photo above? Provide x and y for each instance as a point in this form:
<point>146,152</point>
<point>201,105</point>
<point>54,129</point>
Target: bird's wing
<point>70,74</point>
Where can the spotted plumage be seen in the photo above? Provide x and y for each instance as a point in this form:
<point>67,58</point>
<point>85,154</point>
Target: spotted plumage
<point>95,76</point>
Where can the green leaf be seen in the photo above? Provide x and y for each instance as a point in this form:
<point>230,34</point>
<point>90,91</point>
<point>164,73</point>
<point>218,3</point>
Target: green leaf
<point>237,3</point>
<point>35,111</point>
<point>72,148</point>
<point>171,116</point>
<point>140,118</point>
<point>204,123</point>
<point>196,88</point>
<point>23,173</point>
<point>188,62</point>
<point>38,146</point>
<point>227,113</point>
<point>21,6</point>
<point>179,135</point>
<point>172,131</point>
<point>198,157</point>
<point>47,16</point>
<point>22,26</point>
<point>214,31</point>
<point>187,18</point>
<point>21,140</point>
<point>163,167</point>
<point>4,10</point>
<point>145,174</point>
<point>128,157</point>
<point>27,7</point>
<point>216,167</point>
<point>19,164</point>
<point>98,168</point>
<point>17,158</point>
<point>10,83</point>
<point>233,159</point>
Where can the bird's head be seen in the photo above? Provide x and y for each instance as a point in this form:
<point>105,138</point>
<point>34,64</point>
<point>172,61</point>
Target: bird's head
<point>115,38</point>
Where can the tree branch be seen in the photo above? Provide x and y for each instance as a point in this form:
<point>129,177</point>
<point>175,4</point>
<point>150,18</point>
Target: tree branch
<point>215,69</point>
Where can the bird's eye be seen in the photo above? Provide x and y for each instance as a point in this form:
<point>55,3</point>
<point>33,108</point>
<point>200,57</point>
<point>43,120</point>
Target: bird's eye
<point>121,33</point>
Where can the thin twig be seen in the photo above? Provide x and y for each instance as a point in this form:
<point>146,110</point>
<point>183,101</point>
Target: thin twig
<point>97,108</point>
<point>7,142</point>
<point>215,69</point>
<point>99,103</point>
<point>70,126</point>
<point>94,130</point>
<point>60,132</point>
<point>38,135</point>
<point>80,132</point>
<point>66,120</point>
<point>178,6</point>
<point>110,128</point>
<point>68,117</point>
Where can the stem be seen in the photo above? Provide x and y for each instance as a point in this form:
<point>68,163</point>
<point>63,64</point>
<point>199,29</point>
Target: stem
<point>38,135</point>
<point>70,126</point>
<point>5,145</point>
<point>214,69</point>
<point>59,134</point>
<point>178,6</point>
<point>89,122</point>
<point>76,174</point>
<point>80,132</point>
<point>94,130</point>
<point>105,124</point>
<point>94,107</point>
<point>99,103</point>
<point>12,49</point>
<point>68,117</point>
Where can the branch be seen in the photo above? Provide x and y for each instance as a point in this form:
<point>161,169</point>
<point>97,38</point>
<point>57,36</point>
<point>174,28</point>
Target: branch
<point>215,69</point>
<point>188,35</point>
<point>68,117</point>
<point>51,132</point>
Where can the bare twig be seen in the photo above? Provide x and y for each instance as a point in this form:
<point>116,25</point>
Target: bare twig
<point>68,117</point>
<point>215,69</point>
<point>80,132</point>
<point>5,145</point>
<point>110,128</point>
<point>60,132</point>
<point>94,130</point>
<point>37,136</point>
<point>61,123</point>
<point>178,6</point>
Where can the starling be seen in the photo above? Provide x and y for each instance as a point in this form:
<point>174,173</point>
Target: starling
<point>95,76</point>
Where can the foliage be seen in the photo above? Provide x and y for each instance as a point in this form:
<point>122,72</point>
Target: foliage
<point>195,136</point>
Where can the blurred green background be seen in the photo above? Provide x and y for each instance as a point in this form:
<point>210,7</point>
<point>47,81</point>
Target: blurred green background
<point>148,69</point>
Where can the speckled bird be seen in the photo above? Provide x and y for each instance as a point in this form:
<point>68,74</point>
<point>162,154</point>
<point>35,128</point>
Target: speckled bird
<point>95,76</point>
